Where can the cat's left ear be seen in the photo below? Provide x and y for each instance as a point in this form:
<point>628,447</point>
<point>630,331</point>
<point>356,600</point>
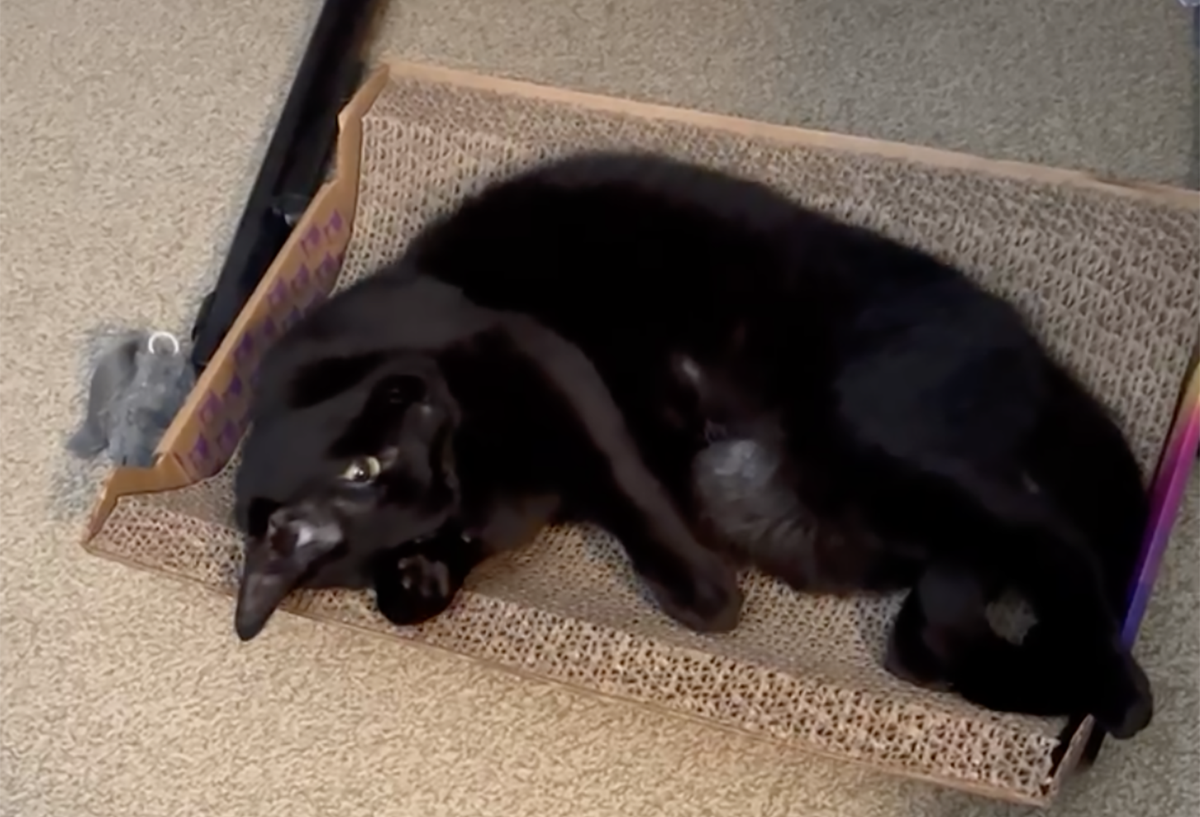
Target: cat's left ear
<point>277,561</point>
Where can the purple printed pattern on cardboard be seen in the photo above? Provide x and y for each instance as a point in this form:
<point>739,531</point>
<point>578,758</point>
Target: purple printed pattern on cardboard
<point>224,417</point>
<point>200,455</point>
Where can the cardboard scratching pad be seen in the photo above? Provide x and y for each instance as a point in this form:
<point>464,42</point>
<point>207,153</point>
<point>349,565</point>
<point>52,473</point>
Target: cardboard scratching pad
<point>1110,275</point>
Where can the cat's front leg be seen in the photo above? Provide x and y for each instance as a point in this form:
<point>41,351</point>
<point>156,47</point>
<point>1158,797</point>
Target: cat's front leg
<point>702,594</point>
<point>690,583</point>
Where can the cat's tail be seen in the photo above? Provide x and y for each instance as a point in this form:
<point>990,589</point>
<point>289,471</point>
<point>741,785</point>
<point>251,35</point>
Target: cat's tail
<point>1080,458</point>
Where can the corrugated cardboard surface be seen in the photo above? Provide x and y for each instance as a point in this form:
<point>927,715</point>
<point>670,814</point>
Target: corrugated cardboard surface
<point>424,140</point>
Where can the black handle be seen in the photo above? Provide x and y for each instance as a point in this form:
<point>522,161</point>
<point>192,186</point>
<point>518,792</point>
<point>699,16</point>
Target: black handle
<point>294,167</point>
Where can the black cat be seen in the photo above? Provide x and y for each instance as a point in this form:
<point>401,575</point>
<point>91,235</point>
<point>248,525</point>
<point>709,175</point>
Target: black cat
<point>777,367</point>
<point>400,435</point>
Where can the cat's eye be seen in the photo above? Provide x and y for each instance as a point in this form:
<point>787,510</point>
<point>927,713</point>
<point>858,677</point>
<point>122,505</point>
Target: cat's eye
<point>363,469</point>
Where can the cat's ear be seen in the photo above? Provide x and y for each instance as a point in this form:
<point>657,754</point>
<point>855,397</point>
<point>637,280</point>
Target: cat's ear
<point>292,543</point>
<point>326,378</point>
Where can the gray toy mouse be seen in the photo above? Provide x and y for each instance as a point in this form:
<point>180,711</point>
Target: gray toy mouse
<point>138,386</point>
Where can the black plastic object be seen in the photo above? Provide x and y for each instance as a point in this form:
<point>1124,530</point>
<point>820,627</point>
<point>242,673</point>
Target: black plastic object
<point>294,167</point>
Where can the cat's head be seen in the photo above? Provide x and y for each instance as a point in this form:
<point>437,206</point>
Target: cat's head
<point>356,458</point>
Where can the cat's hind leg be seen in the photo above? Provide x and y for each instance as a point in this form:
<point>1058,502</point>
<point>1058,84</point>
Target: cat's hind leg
<point>942,616</point>
<point>967,657</point>
<point>942,640</point>
<point>1072,662</point>
<point>935,411</point>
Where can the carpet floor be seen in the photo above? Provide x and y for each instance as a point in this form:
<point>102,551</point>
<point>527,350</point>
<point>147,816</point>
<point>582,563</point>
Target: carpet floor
<point>129,135</point>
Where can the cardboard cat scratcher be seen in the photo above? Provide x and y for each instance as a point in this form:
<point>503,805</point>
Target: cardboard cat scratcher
<point>1109,274</point>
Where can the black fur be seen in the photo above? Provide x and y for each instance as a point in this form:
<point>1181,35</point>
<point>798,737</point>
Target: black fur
<point>472,419</point>
<point>873,387</point>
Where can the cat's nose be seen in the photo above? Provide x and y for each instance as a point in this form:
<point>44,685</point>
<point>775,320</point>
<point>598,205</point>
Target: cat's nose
<point>277,538</point>
<point>288,532</point>
<point>282,535</point>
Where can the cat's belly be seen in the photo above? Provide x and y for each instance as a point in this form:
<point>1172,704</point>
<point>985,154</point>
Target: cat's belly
<point>750,505</point>
<point>744,498</point>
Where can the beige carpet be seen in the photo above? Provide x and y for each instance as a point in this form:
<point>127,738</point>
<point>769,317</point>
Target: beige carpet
<point>128,133</point>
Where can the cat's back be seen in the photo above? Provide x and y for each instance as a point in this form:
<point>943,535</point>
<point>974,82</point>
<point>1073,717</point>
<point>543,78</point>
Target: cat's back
<point>663,182</point>
<point>640,233</point>
<point>632,233</point>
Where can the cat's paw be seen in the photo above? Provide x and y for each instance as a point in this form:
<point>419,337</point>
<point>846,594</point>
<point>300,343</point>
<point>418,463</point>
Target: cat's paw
<point>942,622</point>
<point>910,658</point>
<point>915,670</point>
<point>1124,702</point>
<point>705,597</point>
<point>415,589</point>
<point>952,602</point>
<point>1135,705</point>
<point>423,576</point>
<point>1109,682</point>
